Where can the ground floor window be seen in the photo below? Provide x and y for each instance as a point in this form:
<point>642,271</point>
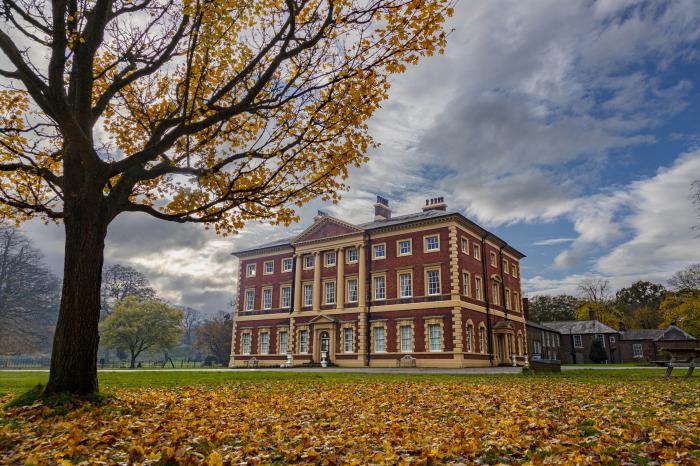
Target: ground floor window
<point>470,338</point>
<point>406,338</point>
<point>264,343</point>
<point>284,342</point>
<point>482,339</point>
<point>637,350</point>
<point>435,337</point>
<point>246,343</point>
<point>578,342</point>
<point>303,341</point>
<point>379,340</point>
<point>347,340</point>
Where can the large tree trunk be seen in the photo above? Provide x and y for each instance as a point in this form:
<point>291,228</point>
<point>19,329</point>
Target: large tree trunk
<point>74,356</point>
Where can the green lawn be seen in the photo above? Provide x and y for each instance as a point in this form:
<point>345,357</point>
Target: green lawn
<point>17,382</point>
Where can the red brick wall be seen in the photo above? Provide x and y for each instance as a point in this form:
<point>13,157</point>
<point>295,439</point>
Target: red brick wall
<point>260,280</point>
<point>418,259</point>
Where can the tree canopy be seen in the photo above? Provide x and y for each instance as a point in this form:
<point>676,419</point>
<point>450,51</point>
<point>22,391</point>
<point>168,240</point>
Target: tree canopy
<point>136,326</point>
<point>209,112</point>
<point>545,308</point>
<point>120,281</point>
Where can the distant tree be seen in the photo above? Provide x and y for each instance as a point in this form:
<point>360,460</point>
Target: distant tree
<point>595,290</point>
<point>545,308</point>
<point>686,279</point>
<point>191,319</point>
<point>213,337</point>
<point>605,313</point>
<point>597,354</point>
<point>120,281</point>
<point>136,326</point>
<point>29,295</point>
<point>682,309</point>
<point>640,304</point>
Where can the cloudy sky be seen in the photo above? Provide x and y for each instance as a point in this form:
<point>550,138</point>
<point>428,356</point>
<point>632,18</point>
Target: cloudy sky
<point>571,129</point>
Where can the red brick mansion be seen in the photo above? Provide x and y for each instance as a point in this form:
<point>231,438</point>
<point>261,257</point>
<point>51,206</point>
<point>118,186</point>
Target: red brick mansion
<point>431,289</point>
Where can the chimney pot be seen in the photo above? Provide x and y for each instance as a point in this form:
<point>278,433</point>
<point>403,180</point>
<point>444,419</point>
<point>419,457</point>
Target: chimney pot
<point>435,203</point>
<point>382,211</point>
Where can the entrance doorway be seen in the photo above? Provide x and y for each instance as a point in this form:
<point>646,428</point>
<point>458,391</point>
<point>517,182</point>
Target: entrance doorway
<point>325,343</point>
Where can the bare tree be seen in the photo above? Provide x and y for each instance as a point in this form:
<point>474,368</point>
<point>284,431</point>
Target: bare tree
<point>191,319</point>
<point>214,337</point>
<point>120,281</point>
<point>595,290</point>
<point>29,295</point>
<point>686,279</point>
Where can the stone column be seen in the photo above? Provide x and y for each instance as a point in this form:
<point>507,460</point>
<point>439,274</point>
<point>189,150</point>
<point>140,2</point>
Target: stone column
<point>298,291</point>
<point>317,282</point>
<point>362,277</point>
<point>340,282</point>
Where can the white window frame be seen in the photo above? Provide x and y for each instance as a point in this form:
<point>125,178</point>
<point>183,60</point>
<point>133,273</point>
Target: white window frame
<point>246,342</point>
<point>578,341</point>
<point>271,265</point>
<point>611,338</point>
<point>494,260</point>
<point>284,341</point>
<point>330,259</point>
<point>250,270</point>
<point>483,339</point>
<point>303,341</point>
<point>267,293</point>
<point>478,288</point>
<point>495,292</point>
<point>600,337</point>
<point>470,338</point>
<point>464,245</point>
<point>426,243</point>
<point>637,350</point>
<point>310,296</point>
<point>264,342</point>
<point>286,261</point>
<point>435,340</point>
<point>516,300</point>
<point>403,339</point>
<point>375,289</point>
<point>348,345</point>
<point>288,304</point>
<point>309,262</point>
<point>506,269</point>
<point>375,256</point>
<point>432,288</point>
<point>466,284</point>
<point>508,306</point>
<point>401,285</point>
<point>329,298</point>
<point>399,242</point>
<point>249,300</point>
<point>376,332</point>
<point>352,297</point>
<point>514,269</point>
<point>349,259</point>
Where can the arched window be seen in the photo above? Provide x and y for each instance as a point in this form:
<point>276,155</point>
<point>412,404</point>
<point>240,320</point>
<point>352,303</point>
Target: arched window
<point>470,338</point>
<point>482,339</point>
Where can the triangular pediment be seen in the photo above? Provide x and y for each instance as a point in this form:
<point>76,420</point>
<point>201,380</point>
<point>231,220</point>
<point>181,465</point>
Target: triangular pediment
<point>322,320</point>
<point>327,227</point>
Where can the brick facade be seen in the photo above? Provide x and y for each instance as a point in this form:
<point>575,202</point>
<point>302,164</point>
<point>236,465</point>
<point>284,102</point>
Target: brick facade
<point>336,308</point>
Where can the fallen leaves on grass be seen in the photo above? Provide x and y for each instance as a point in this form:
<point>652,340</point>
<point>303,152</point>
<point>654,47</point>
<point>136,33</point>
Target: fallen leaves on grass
<point>405,422</point>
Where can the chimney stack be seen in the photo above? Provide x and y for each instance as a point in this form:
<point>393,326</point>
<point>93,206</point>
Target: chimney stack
<point>435,203</point>
<point>381,209</point>
<point>319,215</point>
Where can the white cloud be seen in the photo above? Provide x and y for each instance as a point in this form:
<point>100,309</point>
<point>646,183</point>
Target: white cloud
<point>553,241</point>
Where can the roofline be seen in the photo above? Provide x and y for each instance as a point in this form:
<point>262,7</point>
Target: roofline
<point>483,233</point>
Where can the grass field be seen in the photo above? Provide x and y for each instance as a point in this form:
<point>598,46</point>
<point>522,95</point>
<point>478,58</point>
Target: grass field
<point>14,382</point>
<point>273,417</point>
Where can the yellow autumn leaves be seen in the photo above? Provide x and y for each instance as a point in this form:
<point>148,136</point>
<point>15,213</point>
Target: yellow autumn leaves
<point>403,422</point>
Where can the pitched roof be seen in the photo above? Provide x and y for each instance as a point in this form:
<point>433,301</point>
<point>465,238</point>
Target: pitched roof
<point>394,221</point>
<point>532,323</point>
<point>670,333</point>
<point>580,326</point>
